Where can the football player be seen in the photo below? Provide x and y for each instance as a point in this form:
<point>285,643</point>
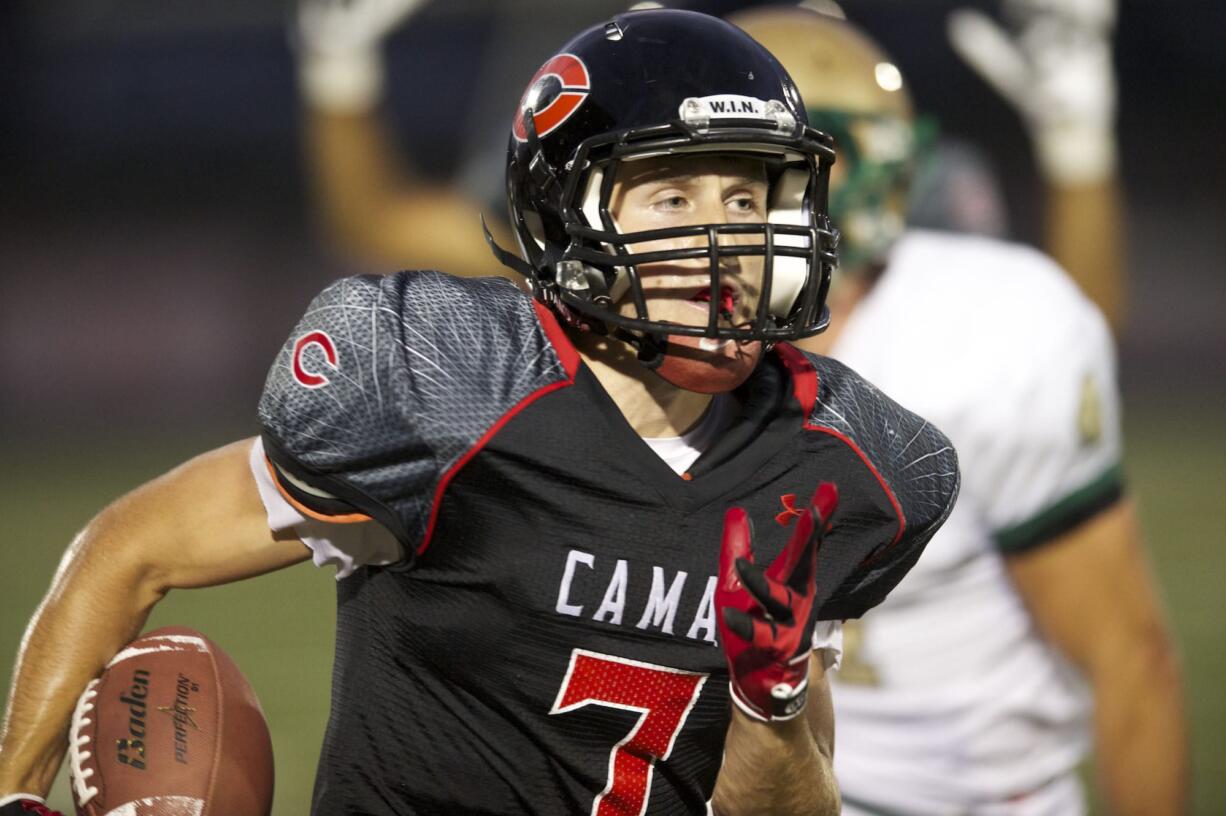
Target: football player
<point>1032,625</point>
<point>552,596</point>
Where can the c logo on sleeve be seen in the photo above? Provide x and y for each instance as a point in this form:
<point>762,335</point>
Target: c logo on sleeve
<point>304,376</point>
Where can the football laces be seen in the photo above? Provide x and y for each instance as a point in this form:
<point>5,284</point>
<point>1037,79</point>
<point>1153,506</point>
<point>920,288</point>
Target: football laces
<point>78,746</point>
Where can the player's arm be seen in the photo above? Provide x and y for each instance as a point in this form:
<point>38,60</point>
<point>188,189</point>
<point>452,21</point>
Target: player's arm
<point>1084,233</point>
<point>1054,67</point>
<point>198,525</point>
<point>1093,596</point>
<point>778,751</point>
<point>784,767</point>
<point>370,201</point>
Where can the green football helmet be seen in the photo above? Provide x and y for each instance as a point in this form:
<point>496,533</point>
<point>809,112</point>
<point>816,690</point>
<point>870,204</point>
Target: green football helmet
<point>852,91</point>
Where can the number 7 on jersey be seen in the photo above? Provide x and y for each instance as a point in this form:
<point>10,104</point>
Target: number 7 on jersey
<point>664,698</point>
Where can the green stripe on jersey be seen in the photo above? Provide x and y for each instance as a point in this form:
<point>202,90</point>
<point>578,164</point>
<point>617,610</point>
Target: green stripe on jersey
<point>1065,514</point>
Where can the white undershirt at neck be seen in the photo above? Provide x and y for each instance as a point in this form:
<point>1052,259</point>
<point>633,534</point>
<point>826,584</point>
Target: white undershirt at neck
<point>679,452</point>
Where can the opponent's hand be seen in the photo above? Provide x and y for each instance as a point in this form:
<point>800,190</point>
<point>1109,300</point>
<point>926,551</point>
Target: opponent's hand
<point>763,612</point>
<point>1055,69</point>
<point>339,45</point>
<point>26,807</point>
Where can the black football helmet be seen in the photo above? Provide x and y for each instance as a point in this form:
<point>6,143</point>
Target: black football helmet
<point>649,83</point>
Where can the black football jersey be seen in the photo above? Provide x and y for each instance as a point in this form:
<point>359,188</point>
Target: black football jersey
<point>549,643</point>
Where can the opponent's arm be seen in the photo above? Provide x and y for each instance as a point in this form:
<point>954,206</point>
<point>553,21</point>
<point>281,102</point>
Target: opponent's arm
<point>199,525</point>
<point>1093,596</point>
<point>1084,232</point>
<point>1054,66</point>
<point>371,203</point>
<point>776,761</point>
<point>380,213</point>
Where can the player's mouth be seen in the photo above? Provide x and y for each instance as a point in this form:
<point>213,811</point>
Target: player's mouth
<point>729,297</point>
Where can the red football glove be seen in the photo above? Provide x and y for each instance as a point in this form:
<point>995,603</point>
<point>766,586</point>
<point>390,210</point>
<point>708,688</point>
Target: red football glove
<point>27,807</point>
<point>763,611</point>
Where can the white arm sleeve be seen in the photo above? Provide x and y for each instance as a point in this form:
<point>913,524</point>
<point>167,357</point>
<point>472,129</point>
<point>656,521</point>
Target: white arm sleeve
<point>345,546</point>
<point>828,640</point>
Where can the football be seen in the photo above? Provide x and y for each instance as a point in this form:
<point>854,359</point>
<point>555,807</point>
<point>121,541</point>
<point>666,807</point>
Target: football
<point>171,728</point>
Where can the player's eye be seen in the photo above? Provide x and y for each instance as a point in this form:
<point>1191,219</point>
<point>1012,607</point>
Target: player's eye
<point>743,205</point>
<point>671,202</point>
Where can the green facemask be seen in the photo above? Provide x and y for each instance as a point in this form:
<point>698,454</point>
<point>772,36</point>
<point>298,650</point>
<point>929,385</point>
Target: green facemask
<point>878,152</point>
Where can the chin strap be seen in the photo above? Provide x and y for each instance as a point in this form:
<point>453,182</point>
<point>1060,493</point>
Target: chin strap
<point>649,348</point>
<point>507,259</point>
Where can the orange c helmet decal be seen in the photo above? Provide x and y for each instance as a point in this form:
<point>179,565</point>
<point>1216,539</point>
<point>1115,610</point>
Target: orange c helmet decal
<point>554,94</point>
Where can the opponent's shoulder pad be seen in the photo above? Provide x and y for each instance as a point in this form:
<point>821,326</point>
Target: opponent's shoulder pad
<point>387,381</point>
<point>913,461</point>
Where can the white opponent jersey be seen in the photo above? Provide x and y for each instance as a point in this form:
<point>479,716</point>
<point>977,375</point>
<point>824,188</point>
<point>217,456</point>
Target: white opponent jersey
<point>948,700</point>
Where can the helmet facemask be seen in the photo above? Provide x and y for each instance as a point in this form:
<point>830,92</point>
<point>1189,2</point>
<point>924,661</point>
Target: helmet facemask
<point>661,83</point>
<point>599,264</point>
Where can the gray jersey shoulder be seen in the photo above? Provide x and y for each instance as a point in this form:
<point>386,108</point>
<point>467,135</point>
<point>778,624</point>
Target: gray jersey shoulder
<point>386,382</point>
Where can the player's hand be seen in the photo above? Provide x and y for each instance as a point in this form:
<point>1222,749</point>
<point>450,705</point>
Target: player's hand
<point>1053,66</point>
<point>763,612</point>
<point>27,807</point>
<point>339,45</point>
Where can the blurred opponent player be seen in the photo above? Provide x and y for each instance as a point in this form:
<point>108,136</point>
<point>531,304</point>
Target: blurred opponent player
<point>1033,612</point>
<point>550,597</point>
<point>380,209</point>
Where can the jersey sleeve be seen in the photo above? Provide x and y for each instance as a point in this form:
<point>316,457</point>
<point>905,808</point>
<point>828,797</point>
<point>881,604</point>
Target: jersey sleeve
<point>909,467</point>
<point>1048,452</point>
<point>388,383</point>
<point>328,418</point>
<point>344,546</point>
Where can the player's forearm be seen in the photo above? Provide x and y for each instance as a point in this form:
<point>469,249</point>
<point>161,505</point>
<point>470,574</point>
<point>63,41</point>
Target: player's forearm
<point>98,601</point>
<point>1084,234</point>
<point>199,525</point>
<point>774,768</point>
<point>1141,740</point>
<point>358,182</point>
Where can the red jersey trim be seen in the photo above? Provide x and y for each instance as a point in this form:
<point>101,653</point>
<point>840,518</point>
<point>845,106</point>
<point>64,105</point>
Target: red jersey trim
<point>902,519</point>
<point>804,389</point>
<point>567,355</point>
<point>804,376</point>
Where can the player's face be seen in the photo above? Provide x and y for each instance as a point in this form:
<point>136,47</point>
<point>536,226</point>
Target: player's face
<point>677,191</point>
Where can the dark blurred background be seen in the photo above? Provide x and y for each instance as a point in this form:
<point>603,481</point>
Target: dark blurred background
<point>157,243</point>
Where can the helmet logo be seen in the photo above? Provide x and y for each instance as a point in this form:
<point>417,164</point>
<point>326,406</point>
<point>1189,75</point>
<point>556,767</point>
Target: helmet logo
<point>554,94</point>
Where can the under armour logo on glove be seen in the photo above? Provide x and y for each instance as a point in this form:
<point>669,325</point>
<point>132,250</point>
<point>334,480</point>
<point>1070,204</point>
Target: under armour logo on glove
<point>764,611</point>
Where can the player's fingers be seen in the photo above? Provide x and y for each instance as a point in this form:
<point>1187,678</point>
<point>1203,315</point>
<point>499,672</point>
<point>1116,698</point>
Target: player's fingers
<point>736,544</point>
<point>759,633</point>
<point>785,563</point>
<point>825,500</point>
<point>991,52</point>
<point>772,597</point>
<point>738,623</point>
